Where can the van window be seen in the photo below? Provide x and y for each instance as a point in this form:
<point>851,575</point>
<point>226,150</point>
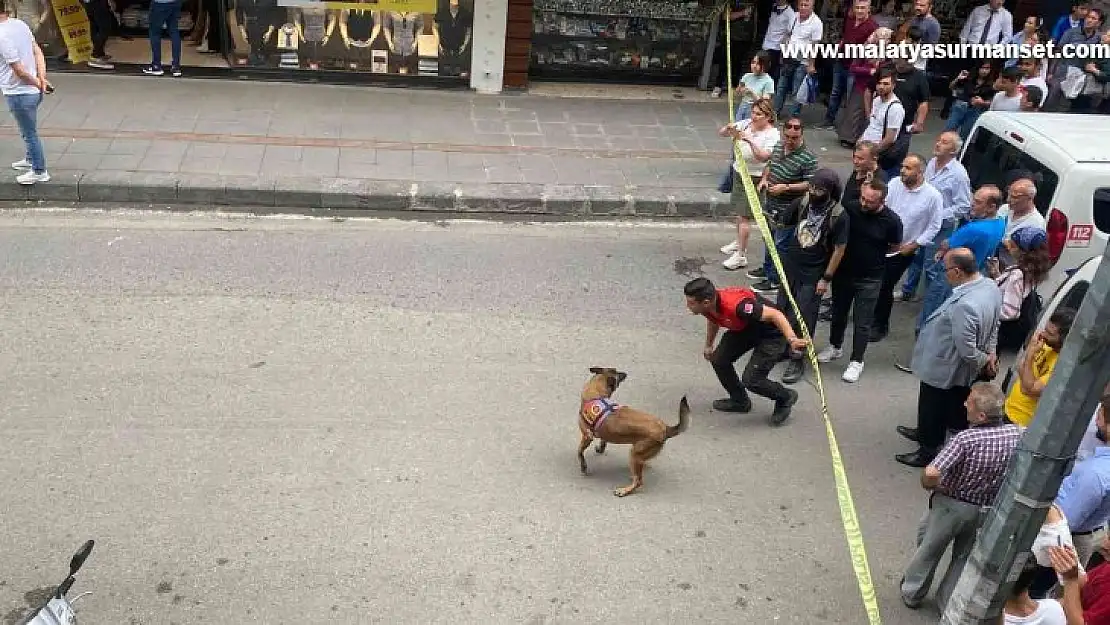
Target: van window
<point>1074,297</point>
<point>1101,209</point>
<point>989,159</point>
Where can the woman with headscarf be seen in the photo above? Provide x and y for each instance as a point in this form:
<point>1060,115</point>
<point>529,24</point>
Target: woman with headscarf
<point>812,254</point>
<point>852,119</point>
<point>1020,302</point>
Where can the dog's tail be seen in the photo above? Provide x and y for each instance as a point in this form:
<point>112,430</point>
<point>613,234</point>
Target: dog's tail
<point>683,419</point>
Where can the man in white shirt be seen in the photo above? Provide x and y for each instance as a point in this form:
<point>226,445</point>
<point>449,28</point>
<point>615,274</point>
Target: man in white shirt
<point>23,81</point>
<point>887,114</point>
<point>921,209</point>
<point>1021,211</point>
<point>807,29</point>
<point>778,27</point>
<point>1031,77</point>
<point>988,23</point>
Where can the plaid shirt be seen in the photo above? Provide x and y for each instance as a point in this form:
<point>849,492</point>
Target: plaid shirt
<point>974,462</point>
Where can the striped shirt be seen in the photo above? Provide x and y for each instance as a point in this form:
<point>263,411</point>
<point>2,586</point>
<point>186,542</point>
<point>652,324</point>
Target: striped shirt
<point>973,463</point>
<point>797,166</point>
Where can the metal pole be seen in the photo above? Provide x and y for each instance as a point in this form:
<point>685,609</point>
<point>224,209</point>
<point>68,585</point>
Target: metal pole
<point>1039,465</point>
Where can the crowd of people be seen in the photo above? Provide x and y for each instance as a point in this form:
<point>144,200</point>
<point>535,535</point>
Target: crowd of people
<point>980,255</point>
<point>1077,84</point>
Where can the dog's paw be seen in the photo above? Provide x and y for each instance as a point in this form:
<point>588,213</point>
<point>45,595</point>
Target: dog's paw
<point>623,492</point>
<point>600,448</point>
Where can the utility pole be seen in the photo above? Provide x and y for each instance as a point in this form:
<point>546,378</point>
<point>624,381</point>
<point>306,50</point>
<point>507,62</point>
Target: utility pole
<point>1037,468</point>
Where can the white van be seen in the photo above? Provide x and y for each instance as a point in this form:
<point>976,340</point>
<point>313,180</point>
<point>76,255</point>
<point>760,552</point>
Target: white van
<point>1066,156</point>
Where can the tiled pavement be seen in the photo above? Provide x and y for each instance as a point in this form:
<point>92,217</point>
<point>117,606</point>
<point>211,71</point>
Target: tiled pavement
<point>282,145</point>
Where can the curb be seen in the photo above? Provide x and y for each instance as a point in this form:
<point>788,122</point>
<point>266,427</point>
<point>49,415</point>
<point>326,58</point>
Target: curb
<point>292,195</point>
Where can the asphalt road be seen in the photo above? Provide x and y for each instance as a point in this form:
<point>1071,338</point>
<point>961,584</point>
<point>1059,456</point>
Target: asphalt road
<point>295,421</point>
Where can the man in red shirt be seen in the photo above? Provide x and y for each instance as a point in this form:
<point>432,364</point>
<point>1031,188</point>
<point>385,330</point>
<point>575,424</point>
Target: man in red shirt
<point>858,26</point>
<point>751,325</point>
<point>1086,597</point>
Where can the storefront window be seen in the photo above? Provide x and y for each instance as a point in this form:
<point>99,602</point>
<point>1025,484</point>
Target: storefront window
<point>402,37</point>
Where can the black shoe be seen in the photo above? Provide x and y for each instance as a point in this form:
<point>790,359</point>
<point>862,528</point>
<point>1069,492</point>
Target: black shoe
<point>908,432</point>
<point>918,459</point>
<point>783,407</point>
<point>903,368</point>
<point>877,335</point>
<point>795,369</point>
<point>743,404</point>
<point>757,273</point>
<point>913,605</point>
<point>765,286</point>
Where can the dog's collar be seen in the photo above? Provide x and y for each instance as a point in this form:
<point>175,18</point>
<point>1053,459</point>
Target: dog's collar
<point>596,411</point>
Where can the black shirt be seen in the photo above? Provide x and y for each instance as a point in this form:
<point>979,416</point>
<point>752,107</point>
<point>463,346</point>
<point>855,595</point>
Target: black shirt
<point>814,259</point>
<point>968,89</point>
<point>912,88</point>
<point>870,236</point>
<point>852,192</point>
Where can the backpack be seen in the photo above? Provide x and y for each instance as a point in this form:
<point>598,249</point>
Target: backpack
<point>898,150</point>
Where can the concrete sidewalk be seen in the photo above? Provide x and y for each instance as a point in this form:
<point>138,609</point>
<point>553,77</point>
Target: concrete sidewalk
<point>298,147</point>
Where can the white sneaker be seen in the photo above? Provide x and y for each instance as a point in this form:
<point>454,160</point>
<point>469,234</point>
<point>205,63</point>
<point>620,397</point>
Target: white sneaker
<point>21,165</point>
<point>854,370</point>
<point>716,92</point>
<point>736,261</point>
<point>31,177</point>
<point>829,354</point>
<point>731,248</point>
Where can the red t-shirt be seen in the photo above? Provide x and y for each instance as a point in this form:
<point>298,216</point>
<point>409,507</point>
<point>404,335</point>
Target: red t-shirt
<point>857,34</point>
<point>1096,596</point>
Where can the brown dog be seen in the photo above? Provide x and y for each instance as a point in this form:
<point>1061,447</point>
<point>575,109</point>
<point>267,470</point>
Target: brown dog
<point>609,422</point>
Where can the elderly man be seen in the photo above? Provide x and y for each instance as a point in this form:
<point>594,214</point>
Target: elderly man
<point>948,176</point>
<point>962,479</point>
<point>807,29</point>
<point>785,179</point>
<point>1021,211</point>
<point>921,208</point>
<point>956,347</point>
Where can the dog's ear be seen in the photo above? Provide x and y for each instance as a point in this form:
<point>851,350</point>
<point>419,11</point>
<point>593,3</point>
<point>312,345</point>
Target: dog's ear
<point>621,376</point>
<point>597,370</point>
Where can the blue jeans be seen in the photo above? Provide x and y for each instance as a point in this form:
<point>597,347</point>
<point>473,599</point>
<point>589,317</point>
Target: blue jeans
<point>790,79</point>
<point>781,236</point>
<point>962,118</point>
<point>165,14</point>
<point>743,111</point>
<point>923,261</point>
<point>842,84</point>
<point>25,110</point>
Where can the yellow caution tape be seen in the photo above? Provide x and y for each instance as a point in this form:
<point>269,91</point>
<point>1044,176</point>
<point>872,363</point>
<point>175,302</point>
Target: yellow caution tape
<point>848,514</point>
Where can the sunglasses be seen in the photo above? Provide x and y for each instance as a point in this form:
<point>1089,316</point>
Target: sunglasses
<point>792,126</point>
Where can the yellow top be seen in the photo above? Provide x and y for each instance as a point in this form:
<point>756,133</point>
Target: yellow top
<point>1020,407</point>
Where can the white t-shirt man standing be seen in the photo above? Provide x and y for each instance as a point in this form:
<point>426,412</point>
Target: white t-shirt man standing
<point>23,81</point>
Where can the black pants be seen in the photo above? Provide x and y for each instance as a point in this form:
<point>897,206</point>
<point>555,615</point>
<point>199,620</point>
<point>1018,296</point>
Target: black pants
<point>940,410</point>
<point>863,293</point>
<point>101,24</point>
<point>803,286</point>
<point>774,58</point>
<point>767,351</point>
<point>219,31</point>
<point>895,267</point>
<point>738,67</point>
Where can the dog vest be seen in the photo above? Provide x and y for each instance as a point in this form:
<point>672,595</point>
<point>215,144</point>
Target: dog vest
<point>727,301</point>
<point>596,411</point>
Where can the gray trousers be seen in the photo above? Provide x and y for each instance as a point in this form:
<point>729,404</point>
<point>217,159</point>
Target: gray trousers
<point>1087,544</point>
<point>946,522</point>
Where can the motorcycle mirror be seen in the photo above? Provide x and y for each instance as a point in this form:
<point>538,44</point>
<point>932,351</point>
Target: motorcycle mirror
<point>79,558</point>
